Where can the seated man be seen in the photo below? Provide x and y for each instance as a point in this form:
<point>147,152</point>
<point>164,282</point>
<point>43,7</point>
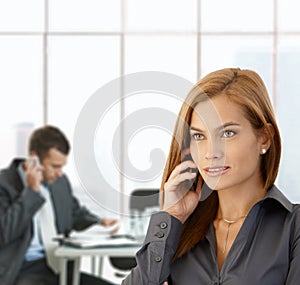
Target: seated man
<point>33,194</point>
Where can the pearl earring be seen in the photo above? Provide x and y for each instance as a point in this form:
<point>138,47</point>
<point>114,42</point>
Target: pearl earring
<point>263,151</point>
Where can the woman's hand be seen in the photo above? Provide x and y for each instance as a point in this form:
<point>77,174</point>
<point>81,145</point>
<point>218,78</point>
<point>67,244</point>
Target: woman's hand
<point>179,201</point>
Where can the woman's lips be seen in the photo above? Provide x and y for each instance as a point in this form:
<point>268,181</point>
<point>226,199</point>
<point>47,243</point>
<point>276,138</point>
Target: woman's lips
<point>216,171</point>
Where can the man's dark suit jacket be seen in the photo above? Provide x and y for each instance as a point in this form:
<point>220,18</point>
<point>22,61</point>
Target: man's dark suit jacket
<point>18,204</point>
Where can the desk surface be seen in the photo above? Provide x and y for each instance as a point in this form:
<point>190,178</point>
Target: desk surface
<point>68,251</point>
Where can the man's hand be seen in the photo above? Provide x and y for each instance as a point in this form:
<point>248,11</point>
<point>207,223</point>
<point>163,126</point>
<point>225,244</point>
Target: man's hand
<point>106,222</point>
<point>34,174</point>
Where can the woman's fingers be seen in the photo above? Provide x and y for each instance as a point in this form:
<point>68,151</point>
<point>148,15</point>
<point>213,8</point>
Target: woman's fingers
<point>176,188</point>
<point>172,184</point>
<point>178,200</point>
<point>183,167</point>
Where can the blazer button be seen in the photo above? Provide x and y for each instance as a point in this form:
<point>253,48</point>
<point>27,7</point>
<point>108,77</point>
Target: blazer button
<point>158,259</point>
<point>160,234</point>
<point>163,225</point>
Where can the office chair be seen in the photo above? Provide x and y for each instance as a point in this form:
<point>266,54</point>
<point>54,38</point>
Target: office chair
<point>139,200</point>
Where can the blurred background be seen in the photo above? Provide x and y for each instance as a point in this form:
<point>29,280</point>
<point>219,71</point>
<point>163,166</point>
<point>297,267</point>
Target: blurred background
<point>55,54</point>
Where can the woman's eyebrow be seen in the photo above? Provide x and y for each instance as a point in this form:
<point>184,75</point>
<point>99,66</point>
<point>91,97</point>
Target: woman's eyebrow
<point>196,129</point>
<point>228,124</point>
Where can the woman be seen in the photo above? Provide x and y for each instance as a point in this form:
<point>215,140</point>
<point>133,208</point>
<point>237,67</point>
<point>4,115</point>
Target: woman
<point>226,222</point>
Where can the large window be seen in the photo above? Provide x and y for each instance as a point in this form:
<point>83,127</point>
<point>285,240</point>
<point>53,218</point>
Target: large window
<point>56,56</point>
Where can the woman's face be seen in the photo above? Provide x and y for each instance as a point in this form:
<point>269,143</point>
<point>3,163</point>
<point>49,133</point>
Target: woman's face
<point>224,145</point>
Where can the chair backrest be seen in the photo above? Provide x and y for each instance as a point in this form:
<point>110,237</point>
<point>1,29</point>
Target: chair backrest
<point>143,198</point>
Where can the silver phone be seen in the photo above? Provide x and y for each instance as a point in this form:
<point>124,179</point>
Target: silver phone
<point>34,159</point>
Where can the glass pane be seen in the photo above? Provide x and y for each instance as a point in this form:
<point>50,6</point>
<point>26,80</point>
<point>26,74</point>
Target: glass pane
<point>244,52</point>
<point>20,15</point>
<point>288,107</point>
<point>107,152</point>
<point>78,66</point>
<point>155,15</point>
<point>236,15</point>
<point>148,127</point>
<point>174,54</point>
<point>21,92</point>
<point>288,15</point>
<point>151,106</point>
<point>84,15</point>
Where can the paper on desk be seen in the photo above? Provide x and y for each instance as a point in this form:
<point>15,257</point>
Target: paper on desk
<point>94,237</point>
<point>102,241</point>
<point>97,229</point>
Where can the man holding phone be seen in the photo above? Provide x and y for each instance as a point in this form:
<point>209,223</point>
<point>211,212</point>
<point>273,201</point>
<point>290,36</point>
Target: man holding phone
<point>36,203</point>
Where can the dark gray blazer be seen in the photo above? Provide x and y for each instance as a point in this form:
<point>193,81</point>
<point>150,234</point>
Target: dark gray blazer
<point>17,208</point>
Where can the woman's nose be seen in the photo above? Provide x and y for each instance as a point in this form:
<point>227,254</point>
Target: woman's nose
<point>215,150</point>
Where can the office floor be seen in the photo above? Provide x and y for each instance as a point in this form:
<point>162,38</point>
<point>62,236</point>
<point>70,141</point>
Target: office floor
<point>108,270</point>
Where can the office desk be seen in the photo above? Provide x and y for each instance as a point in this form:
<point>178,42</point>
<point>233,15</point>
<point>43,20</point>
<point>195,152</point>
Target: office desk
<point>65,253</point>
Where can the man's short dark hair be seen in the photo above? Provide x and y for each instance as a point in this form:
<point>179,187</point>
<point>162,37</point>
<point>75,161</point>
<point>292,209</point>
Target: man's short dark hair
<point>47,137</point>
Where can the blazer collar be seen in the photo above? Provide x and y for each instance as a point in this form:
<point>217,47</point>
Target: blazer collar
<point>273,193</point>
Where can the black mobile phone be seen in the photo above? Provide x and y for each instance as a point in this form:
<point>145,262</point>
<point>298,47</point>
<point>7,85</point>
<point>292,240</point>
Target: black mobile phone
<point>191,184</point>
<point>189,157</point>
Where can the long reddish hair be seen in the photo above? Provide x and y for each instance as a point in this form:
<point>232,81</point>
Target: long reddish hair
<point>245,88</point>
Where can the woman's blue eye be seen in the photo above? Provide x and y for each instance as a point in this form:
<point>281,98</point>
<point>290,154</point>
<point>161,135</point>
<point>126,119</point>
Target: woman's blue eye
<point>197,137</point>
<point>228,134</point>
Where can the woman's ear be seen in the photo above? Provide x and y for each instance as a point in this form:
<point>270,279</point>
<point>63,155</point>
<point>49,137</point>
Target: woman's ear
<point>266,137</point>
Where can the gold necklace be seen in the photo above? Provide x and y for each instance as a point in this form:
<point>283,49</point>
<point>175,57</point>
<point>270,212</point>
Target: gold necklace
<point>229,222</point>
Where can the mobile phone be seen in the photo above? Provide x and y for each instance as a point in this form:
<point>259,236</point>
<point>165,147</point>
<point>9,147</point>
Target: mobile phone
<point>191,184</point>
<point>189,157</point>
<point>34,160</point>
